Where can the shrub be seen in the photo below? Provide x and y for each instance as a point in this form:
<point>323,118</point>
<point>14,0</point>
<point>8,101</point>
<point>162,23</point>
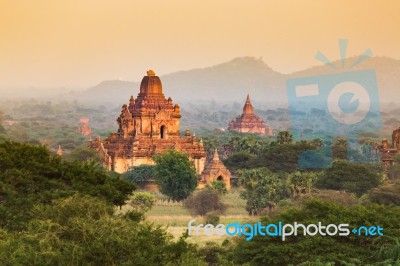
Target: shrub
<point>204,201</point>
<point>142,201</point>
<point>212,218</point>
<point>219,186</point>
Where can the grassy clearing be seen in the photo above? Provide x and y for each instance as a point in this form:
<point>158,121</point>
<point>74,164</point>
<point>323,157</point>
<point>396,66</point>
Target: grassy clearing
<point>175,217</point>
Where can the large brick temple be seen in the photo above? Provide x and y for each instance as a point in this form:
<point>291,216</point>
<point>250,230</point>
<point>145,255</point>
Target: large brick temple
<point>149,125</point>
<point>248,122</point>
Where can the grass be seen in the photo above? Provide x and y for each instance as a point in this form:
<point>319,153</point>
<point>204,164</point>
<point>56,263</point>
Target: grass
<point>175,218</point>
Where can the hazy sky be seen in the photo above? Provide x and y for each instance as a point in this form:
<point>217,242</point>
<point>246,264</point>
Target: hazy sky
<point>78,43</point>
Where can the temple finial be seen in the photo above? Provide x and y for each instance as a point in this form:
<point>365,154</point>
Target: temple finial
<point>248,108</point>
<point>216,156</point>
<point>59,151</point>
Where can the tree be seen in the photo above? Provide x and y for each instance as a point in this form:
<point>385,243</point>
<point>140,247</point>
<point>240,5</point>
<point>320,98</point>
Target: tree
<point>239,160</point>
<point>342,250</point>
<point>175,174</point>
<point>85,154</point>
<point>140,174</point>
<point>204,201</point>
<point>301,182</point>
<point>30,174</point>
<point>284,137</point>
<point>351,177</point>
<point>339,149</point>
<point>250,144</point>
<point>219,186</point>
<point>388,194</point>
<point>262,189</point>
<point>83,230</point>
<point>142,201</point>
<point>282,157</point>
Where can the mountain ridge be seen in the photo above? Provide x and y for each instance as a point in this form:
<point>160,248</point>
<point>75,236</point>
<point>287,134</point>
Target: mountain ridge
<point>234,79</point>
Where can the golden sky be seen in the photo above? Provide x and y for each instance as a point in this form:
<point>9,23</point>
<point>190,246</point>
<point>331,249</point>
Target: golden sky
<point>78,43</point>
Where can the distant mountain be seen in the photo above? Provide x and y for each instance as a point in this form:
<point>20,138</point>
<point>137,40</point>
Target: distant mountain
<point>109,91</point>
<point>231,81</point>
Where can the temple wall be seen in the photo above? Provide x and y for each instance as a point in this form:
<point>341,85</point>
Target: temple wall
<point>199,164</point>
<point>122,165</point>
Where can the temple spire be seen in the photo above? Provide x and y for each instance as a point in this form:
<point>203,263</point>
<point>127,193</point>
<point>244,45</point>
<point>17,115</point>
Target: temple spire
<point>59,151</point>
<point>216,157</point>
<point>248,108</point>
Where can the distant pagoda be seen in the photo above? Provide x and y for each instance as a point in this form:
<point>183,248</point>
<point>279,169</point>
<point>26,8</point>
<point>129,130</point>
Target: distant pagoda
<point>248,122</point>
<point>84,128</point>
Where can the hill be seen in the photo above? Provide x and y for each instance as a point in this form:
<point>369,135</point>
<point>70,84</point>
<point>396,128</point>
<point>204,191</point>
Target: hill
<point>232,80</point>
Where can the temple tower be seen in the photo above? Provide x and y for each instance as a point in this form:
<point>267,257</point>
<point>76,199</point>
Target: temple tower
<point>248,122</point>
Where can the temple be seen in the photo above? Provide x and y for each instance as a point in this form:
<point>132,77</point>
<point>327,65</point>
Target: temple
<point>84,129</point>
<point>388,153</point>
<point>149,125</point>
<point>215,170</point>
<point>248,122</point>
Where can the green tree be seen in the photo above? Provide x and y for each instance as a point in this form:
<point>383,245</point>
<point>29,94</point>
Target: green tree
<point>282,157</point>
<point>348,250</point>
<point>389,252</point>
<point>219,186</point>
<point>250,144</point>
<point>85,154</point>
<point>339,149</point>
<point>351,177</point>
<point>239,160</point>
<point>142,201</point>
<point>139,175</point>
<point>262,189</point>
<point>175,174</point>
<point>388,194</point>
<point>284,137</point>
<point>83,230</point>
<point>31,175</point>
<point>301,182</point>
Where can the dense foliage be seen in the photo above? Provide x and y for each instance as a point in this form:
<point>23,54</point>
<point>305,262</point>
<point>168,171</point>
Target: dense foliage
<point>356,178</point>
<point>30,175</point>
<point>388,194</point>
<point>82,230</point>
<point>262,189</point>
<point>175,174</point>
<point>352,249</point>
<point>139,175</point>
<point>142,201</point>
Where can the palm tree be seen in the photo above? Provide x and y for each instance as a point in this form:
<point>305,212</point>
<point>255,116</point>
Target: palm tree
<point>284,137</point>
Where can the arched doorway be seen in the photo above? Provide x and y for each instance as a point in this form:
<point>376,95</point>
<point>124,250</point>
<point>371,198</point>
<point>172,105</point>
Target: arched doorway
<point>163,132</point>
<point>220,178</point>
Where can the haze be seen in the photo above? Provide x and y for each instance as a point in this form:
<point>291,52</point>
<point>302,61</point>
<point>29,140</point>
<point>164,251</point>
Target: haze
<point>47,43</point>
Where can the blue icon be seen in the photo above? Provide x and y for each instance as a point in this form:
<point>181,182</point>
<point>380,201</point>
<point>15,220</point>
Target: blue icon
<point>344,104</point>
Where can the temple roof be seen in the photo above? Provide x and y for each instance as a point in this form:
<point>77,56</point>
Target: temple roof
<point>151,84</point>
<point>215,166</point>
